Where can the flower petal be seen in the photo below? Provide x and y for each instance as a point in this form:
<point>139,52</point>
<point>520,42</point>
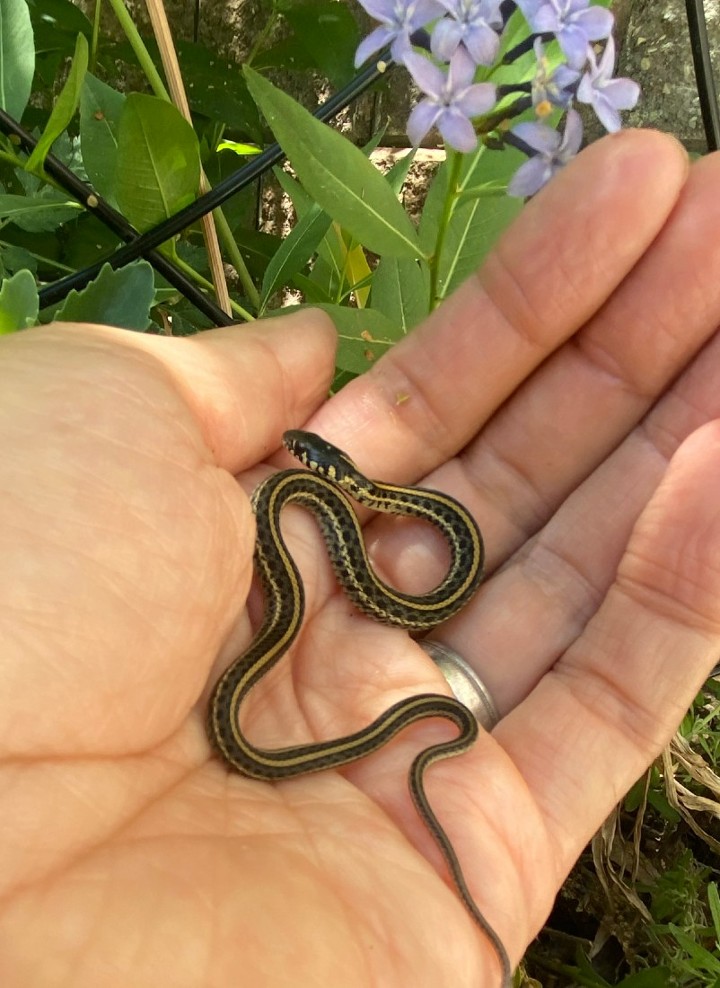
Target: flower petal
<point>538,136</point>
<point>530,177</point>
<point>606,113</point>
<point>428,76</point>
<point>457,131</point>
<point>483,44</point>
<point>623,93</point>
<point>574,43</point>
<point>595,22</point>
<point>461,71</point>
<point>572,138</point>
<point>423,118</point>
<point>480,98</point>
<point>446,36</point>
<point>380,10</point>
<point>424,12</point>
<point>376,40</point>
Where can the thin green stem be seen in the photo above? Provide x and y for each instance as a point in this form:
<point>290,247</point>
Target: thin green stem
<point>236,258</point>
<point>138,46</point>
<point>11,159</point>
<point>195,276</point>
<point>47,261</point>
<point>454,165</point>
<point>95,35</point>
<point>262,36</point>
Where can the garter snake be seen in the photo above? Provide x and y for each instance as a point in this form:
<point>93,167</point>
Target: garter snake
<point>323,490</point>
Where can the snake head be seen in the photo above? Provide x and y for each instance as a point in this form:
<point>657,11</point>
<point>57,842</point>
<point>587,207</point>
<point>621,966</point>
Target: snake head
<point>325,459</point>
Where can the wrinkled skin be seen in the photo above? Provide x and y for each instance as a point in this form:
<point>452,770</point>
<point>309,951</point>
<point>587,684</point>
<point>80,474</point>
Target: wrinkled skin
<point>566,395</point>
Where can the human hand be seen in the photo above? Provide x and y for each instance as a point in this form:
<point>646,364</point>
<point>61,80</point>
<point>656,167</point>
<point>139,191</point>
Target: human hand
<point>131,856</point>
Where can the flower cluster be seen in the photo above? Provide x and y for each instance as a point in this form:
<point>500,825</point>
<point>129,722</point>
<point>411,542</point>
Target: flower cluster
<point>443,42</point>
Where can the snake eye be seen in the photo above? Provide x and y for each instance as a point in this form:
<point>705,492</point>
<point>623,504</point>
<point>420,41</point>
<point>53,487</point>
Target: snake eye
<point>322,457</point>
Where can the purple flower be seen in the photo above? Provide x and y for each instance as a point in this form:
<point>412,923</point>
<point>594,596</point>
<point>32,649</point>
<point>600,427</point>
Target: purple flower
<point>551,89</point>
<point>450,100</point>
<point>605,94</point>
<point>553,153</point>
<point>398,19</point>
<point>471,23</point>
<point>573,22</point>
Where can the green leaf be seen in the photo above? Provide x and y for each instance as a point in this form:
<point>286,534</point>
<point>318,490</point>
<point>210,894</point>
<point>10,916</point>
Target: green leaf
<point>714,903</point>
<point>700,957</point>
<point>401,291</point>
<point>296,249</point>
<point>477,219</point>
<point>336,174</point>
<point>398,173</point>
<point>17,56</point>
<point>364,335</point>
<point>65,106</point>
<point>328,274</point>
<point>115,298</point>
<point>217,90</point>
<point>18,302</point>
<point>39,214</point>
<point>158,165</point>
<point>56,24</point>
<point>652,977</point>
<point>14,259</point>
<point>100,111</point>
<point>328,33</point>
<point>239,148</point>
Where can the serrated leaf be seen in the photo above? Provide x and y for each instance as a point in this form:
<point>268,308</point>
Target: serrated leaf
<point>296,249</point>
<point>115,298</point>
<point>17,56</point>
<point>14,259</point>
<point>18,302</point>
<point>336,174</point>
<point>158,165</point>
<point>65,106</point>
<point>100,111</point>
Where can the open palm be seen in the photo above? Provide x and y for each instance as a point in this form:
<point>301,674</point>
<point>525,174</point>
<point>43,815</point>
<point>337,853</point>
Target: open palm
<point>548,395</point>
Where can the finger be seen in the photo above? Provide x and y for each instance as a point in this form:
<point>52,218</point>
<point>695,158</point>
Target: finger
<point>559,579</point>
<point>118,561</point>
<point>581,403</point>
<point>596,721</point>
<point>555,266</point>
<point>247,384</point>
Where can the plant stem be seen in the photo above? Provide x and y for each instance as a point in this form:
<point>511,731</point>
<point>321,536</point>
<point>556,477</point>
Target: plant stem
<point>237,309</point>
<point>138,46</point>
<point>454,165</point>
<point>236,258</point>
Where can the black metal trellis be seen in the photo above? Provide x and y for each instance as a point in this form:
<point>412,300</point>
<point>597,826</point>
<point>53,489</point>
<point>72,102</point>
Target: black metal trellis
<point>115,221</point>
<point>145,245</point>
<point>704,75</point>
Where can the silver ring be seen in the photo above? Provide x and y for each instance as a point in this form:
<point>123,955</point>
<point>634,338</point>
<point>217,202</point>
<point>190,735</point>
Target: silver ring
<point>466,685</point>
